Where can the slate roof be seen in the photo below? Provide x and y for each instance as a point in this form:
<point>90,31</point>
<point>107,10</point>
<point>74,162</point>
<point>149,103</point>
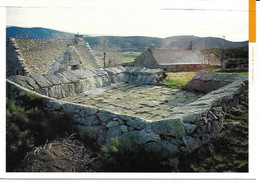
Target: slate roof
<point>40,54</point>
<point>177,57</point>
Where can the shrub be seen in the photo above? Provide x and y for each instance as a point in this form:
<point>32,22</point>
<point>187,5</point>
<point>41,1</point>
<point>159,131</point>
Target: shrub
<point>29,125</point>
<point>164,74</point>
<point>125,155</point>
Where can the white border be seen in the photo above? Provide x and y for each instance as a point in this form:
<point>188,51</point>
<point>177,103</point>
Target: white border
<point>253,133</point>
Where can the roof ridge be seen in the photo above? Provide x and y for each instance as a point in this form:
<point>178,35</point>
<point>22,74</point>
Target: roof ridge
<point>171,49</point>
<point>41,39</point>
<point>19,55</point>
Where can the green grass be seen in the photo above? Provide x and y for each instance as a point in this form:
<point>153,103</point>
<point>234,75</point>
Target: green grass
<point>177,80</point>
<point>243,73</point>
<point>129,56</point>
<point>126,56</point>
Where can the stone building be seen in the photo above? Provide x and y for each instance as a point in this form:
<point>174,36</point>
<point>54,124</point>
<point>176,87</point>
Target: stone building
<point>46,56</point>
<point>174,60</point>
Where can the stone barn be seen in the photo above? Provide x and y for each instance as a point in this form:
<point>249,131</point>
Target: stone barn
<point>175,60</point>
<point>26,56</point>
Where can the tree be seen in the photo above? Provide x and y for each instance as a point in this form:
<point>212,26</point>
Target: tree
<point>190,45</point>
<point>110,53</point>
<point>209,55</point>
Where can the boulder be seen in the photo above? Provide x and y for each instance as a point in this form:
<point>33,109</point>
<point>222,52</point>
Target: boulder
<point>172,127</point>
<point>190,143</point>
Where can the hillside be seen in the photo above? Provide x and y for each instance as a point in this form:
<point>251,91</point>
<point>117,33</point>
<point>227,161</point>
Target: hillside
<point>129,43</point>
<point>201,42</point>
<point>36,32</point>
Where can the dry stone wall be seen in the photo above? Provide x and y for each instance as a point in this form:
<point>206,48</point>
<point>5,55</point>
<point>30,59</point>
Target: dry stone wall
<point>191,125</point>
<point>70,83</point>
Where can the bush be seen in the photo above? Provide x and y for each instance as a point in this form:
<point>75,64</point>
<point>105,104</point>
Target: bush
<point>29,125</point>
<point>125,155</point>
<point>164,74</point>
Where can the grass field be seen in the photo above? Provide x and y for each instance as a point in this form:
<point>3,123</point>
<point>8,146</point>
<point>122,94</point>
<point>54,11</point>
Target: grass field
<point>177,79</point>
<point>125,56</point>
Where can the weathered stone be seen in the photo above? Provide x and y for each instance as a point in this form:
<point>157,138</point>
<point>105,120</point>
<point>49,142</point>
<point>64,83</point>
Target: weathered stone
<point>189,128</point>
<point>120,121</point>
<point>70,76</point>
<point>217,110</point>
<point>105,116</point>
<point>190,143</point>
<point>205,138</point>
<point>55,92</point>
<point>69,108</point>
<point>54,105</point>
<point>214,127</point>
<point>205,120</point>
<point>22,80</point>
<point>113,133</point>
<point>162,146</point>
<point>89,111</point>
<point>53,79</point>
<point>212,116</point>
<point>142,137</point>
<point>62,78</point>
<point>173,127</point>
<point>210,86</point>
<point>89,120</point>
<point>197,85</point>
<point>221,77</point>
<point>134,122</point>
<point>230,125</point>
<point>131,128</point>
<point>41,81</point>
<point>123,128</point>
<point>112,124</point>
<point>192,116</point>
<point>176,142</point>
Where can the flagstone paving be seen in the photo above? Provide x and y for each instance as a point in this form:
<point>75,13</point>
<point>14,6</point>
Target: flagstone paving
<point>147,101</point>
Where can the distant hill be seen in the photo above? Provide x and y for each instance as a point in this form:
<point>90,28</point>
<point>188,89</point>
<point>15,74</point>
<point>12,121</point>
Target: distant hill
<point>36,32</point>
<point>201,42</point>
<point>132,43</point>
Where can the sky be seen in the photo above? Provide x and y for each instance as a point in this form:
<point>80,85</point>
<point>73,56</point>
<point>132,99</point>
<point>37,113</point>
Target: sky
<point>155,18</point>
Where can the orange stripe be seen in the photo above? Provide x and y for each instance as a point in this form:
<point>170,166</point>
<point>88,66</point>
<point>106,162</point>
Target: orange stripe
<point>252,21</point>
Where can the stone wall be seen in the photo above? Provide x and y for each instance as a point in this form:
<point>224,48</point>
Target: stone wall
<point>70,83</point>
<point>191,125</point>
<point>209,81</point>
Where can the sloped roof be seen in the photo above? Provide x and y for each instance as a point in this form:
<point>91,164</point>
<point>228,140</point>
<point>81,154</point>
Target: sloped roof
<point>40,54</point>
<point>177,57</point>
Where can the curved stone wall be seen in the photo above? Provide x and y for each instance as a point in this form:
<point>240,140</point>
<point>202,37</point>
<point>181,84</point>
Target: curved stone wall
<point>189,127</point>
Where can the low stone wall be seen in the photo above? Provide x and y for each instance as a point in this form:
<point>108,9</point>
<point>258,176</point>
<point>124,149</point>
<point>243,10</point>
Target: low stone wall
<point>206,82</point>
<point>70,83</point>
<point>188,128</point>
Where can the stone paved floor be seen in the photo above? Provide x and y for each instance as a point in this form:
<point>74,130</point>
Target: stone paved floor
<point>145,101</point>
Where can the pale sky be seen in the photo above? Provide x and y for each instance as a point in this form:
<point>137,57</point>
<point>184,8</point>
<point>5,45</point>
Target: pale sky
<point>156,18</point>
